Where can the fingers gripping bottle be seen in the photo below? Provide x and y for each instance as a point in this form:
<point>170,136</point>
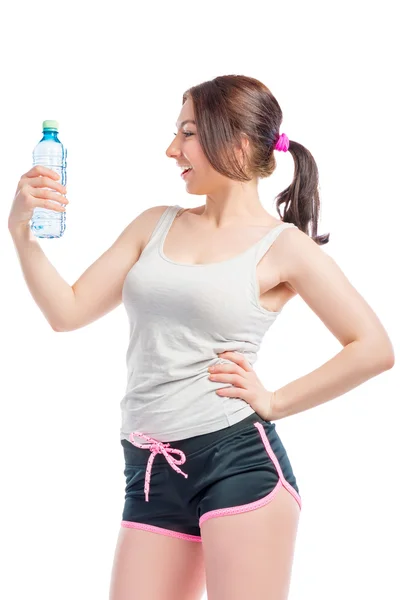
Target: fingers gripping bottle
<point>50,153</point>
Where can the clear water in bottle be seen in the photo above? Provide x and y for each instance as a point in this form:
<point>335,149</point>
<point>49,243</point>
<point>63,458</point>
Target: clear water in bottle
<point>50,153</point>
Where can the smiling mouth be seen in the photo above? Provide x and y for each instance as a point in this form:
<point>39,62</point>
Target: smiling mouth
<point>186,172</point>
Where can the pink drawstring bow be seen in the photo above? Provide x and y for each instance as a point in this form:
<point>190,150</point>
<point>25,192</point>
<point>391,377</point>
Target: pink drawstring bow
<point>157,447</point>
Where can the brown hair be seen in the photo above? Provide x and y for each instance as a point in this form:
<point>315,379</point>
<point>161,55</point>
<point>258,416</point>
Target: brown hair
<point>230,106</point>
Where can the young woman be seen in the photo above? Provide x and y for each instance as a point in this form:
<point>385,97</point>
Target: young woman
<point>201,287</point>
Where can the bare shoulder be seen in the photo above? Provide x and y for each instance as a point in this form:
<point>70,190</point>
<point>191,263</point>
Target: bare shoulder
<point>145,223</point>
<point>134,237</point>
<point>297,254</point>
<point>293,245</point>
<point>322,284</point>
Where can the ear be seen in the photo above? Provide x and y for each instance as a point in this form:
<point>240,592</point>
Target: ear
<point>244,145</point>
<point>243,150</point>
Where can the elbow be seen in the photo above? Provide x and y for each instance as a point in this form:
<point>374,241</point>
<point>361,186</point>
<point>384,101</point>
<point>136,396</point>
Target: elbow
<point>388,362</point>
<point>381,354</point>
<point>58,329</point>
<point>387,356</point>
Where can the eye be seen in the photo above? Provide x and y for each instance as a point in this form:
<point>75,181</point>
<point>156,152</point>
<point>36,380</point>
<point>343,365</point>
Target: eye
<point>186,133</point>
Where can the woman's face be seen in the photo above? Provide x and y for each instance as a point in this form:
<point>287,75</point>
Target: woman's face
<point>186,150</point>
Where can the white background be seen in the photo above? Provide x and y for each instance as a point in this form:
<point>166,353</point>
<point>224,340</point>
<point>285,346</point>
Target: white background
<point>113,76</point>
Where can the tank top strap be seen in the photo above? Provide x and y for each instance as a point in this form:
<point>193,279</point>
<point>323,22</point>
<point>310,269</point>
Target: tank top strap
<point>163,224</point>
<point>266,242</point>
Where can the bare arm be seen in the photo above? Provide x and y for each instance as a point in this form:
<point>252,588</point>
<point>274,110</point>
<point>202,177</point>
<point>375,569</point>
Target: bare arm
<point>52,294</point>
<point>98,290</point>
<point>367,349</point>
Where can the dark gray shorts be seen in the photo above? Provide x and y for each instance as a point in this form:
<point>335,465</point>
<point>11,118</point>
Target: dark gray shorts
<point>229,471</point>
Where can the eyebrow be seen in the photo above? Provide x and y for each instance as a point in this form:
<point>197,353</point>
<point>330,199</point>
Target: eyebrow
<point>187,121</point>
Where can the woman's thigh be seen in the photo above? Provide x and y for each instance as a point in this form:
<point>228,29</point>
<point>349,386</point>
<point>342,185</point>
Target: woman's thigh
<point>250,554</point>
<point>154,566</point>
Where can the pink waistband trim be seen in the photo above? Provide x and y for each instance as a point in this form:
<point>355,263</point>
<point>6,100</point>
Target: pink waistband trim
<point>155,448</point>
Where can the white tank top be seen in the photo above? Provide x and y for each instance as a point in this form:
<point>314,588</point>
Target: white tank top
<point>181,316</point>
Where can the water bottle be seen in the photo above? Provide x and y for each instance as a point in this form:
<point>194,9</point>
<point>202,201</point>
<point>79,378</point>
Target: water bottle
<point>50,153</point>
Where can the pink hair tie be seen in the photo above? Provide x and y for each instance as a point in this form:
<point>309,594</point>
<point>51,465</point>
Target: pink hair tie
<point>282,143</point>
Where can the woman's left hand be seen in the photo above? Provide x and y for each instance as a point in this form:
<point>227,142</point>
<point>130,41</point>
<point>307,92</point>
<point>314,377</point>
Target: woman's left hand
<point>245,384</point>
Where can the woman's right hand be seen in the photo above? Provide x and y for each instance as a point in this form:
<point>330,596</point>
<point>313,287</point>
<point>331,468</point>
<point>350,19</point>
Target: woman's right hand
<point>31,193</point>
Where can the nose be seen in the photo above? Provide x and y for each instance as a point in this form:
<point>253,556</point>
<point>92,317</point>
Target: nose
<point>173,149</point>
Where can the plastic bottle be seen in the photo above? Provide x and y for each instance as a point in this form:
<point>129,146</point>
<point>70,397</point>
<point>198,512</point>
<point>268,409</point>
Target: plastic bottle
<point>50,152</point>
